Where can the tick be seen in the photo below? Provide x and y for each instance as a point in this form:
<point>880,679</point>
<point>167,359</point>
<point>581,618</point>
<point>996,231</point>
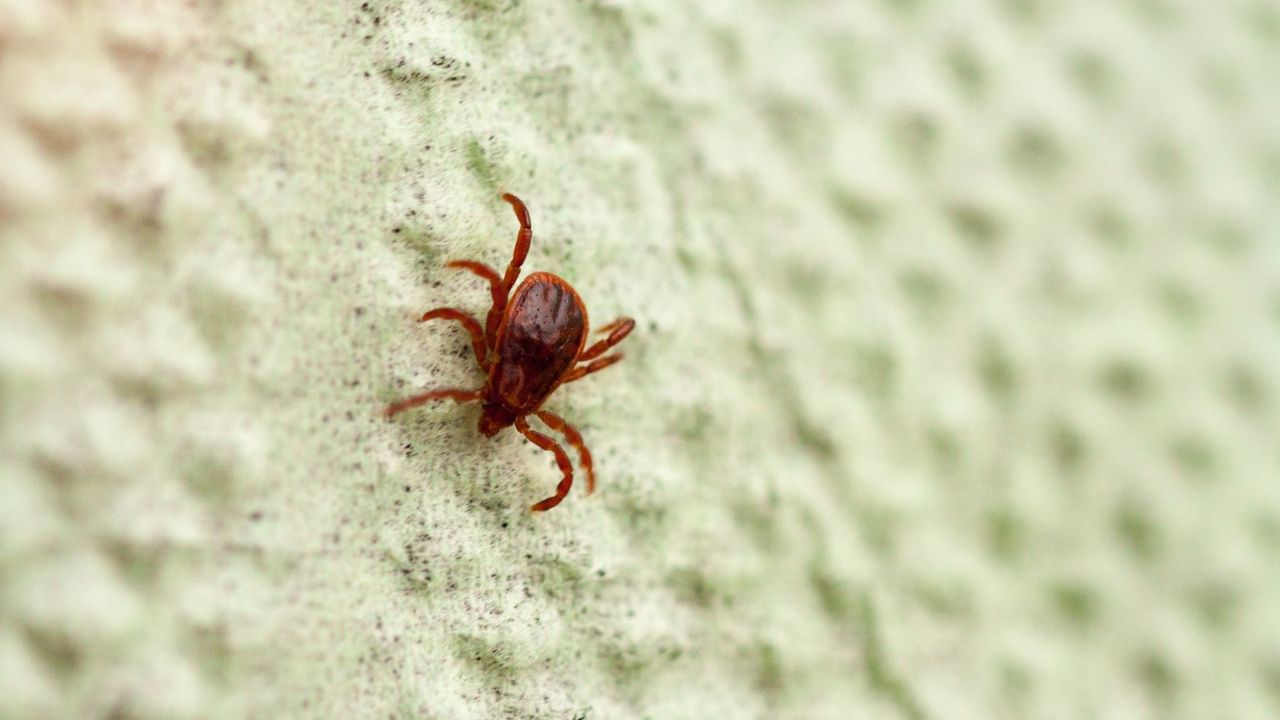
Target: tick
<point>533,341</point>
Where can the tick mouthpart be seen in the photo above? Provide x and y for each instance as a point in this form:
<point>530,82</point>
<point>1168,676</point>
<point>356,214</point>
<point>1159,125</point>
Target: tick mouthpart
<point>493,418</point>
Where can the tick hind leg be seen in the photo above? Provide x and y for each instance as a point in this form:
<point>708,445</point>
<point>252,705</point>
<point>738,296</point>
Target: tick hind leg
<point>618,329</point>
<point>478,268</point>
<point>496,291</point>
<point>472,327</point>
<point>557,423</point>
<point>594,366</point>
<point>562,459</point>
<point>500,287</point>
<point>455,394</point>
<point>503,288</point>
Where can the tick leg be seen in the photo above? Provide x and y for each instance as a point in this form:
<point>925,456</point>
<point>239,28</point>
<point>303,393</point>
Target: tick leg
<point>557,423</point>
<point>472,327</point>
<point>562,459</point>
<point>521,251</point>
<point>618,329</point>
<point>478,268</point>
<point>594,366</point>
<point>496,292</point>
<point>454,394</point>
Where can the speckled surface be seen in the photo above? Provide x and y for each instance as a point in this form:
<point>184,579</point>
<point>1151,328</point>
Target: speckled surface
<point>953,393</point>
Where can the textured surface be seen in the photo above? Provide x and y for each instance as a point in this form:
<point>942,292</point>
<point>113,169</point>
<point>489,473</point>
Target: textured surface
<point>953,395</point>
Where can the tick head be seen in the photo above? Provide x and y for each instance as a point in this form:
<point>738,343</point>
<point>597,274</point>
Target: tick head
<point>494,417</point>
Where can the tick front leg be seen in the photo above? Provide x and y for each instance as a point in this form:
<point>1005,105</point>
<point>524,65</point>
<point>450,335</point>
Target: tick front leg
<point>523,238</point>
<point>562,459</point>
<point>454,394</point>
<point>472,327</point>
<point>557,423</point>
<point>618,329</point>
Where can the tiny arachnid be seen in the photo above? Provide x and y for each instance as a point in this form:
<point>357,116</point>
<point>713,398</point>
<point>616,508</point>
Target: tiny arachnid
<point>531,344</point>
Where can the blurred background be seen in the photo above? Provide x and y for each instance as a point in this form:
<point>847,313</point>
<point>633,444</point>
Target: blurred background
<point>953,393</point>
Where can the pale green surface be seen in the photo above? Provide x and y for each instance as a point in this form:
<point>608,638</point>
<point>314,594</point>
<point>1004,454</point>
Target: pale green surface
<point>953,394</point>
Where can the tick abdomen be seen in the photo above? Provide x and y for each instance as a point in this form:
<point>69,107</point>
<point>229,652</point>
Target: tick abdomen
<point>544,332</point>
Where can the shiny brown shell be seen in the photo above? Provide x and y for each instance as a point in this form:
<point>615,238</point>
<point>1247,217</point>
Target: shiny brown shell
<point>540,339</point>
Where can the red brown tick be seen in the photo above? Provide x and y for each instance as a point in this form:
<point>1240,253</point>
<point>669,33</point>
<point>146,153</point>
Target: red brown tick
<point>532,343</point>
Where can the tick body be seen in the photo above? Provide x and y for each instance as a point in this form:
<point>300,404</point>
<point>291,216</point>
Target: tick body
<point>533,341</point>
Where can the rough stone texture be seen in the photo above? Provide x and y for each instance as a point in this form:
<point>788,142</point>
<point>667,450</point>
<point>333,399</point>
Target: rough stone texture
<point>953,395</point>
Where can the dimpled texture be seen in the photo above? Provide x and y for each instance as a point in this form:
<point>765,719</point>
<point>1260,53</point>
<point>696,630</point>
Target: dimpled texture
<point>952,395</point>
